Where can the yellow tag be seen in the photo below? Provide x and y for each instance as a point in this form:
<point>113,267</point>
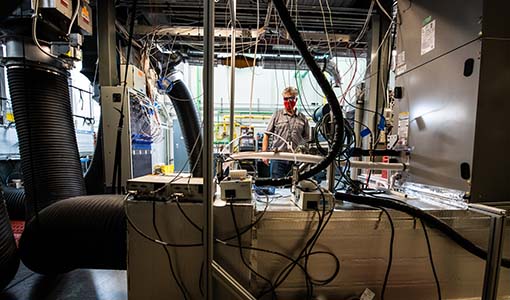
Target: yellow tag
<point>9,117</point>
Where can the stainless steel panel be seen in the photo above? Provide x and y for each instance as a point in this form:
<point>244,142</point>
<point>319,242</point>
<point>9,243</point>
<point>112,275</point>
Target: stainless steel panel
<point>442,104</point>
<point>111,115</point>
<point>64,7</point>
<point>457,23</point>
<point>358,237</point>
<point>149,276</point>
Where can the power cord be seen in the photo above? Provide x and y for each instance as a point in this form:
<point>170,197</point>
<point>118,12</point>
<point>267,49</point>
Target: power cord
<point>390,255</point>
<point>429,249</point>
<point>181,286</point>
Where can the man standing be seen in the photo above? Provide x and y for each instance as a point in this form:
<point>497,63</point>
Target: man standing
<point>292,128</point>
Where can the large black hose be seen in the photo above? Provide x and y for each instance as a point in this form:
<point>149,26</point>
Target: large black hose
<point>15,202</point>
<point>431,220</point>
<point>80,232</point>
<point>47,140</point>
<point>326,89</point>
<point>94,178</point>
<point>184,106</point>
<point>9,260</point>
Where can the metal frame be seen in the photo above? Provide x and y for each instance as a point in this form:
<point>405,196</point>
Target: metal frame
<point>494,250</point>
<point>233,7</point>
<point>207,157</point>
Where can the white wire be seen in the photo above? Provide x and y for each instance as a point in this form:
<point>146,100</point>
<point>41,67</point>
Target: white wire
<point>326,28</point>
<point>233,141</point>
<point>78,6</point>
<point>254,65</point>
<point>34,31</point>
<point>365,25</point>
<point>384,11</point>
<point>289,146</point>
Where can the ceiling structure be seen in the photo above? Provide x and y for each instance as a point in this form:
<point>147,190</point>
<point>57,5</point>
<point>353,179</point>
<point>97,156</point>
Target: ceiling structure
<point>176,25</point>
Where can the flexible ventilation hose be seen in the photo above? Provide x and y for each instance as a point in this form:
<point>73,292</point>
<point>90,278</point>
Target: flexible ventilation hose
<point>47,140</point>
<point>9,260</point>
<point>15,201</point>
<point>184,106</point>
<point>81,232</point>
<point>94,178</point>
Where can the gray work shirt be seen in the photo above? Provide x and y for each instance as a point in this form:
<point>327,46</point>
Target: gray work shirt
<point>293,128</point>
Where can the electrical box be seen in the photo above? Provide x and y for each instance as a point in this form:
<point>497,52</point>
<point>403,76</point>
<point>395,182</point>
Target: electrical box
<point>453,71</point>
<point>62,7</point>
<point>84,18</point>
<point>191,188</point>
<point>315,200</point>
<point>236,189</point>
<point>136,134</point>
<point>135,78</point>
<point>152,187</point>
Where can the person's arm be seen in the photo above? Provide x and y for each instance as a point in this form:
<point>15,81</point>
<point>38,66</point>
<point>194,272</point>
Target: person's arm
<point>306,130</point>
<point>265,140</point>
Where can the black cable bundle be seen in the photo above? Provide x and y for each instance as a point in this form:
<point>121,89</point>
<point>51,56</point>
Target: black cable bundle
<point>429,219</point>
<point>9,260</point>
<point>325,87</point>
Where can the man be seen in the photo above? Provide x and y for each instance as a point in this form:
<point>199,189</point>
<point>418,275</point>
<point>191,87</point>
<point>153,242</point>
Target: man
<point>290,125</point>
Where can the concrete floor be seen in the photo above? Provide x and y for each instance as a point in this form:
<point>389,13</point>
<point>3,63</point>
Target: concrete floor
<point>75,285</point>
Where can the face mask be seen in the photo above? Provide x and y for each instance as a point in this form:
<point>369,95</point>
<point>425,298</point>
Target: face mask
<point>289,105</point>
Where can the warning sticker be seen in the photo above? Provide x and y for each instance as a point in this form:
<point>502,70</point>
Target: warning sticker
<point>428,37</point>
<point>403,128</point>
<point>401,69</point>
<point>401,58</point>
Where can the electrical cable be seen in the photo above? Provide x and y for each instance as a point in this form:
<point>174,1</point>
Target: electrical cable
<point>180,284</point>
<point>429,219</point>
<point>241,254</point>
<point>117,164</point>
<point>293,262</point>
<point>148,237</point>
<point>429,249</point>
<point>35,17</point>
<point>390,255</point>
<point>327,89</point>
<point>73,19</point>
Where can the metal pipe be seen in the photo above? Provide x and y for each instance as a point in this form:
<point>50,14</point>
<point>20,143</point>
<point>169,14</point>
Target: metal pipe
<point>314,159</point>
<point>230,283</point>
<point>232,69</point>
<point>207,161</point>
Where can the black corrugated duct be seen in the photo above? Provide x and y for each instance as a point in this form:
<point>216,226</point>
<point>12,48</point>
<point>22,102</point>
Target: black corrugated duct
<point>94,178</point>
<point>184,106</point>
<point>47,140</point>
<point>9,260</point>
<point>80,232</point>
<point>63,232</point>
<point>15,201</point>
